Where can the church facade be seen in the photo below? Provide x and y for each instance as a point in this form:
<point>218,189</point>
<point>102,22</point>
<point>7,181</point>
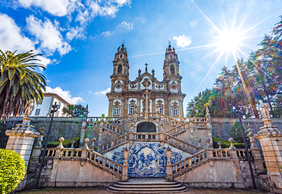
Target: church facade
<point>145,94</point>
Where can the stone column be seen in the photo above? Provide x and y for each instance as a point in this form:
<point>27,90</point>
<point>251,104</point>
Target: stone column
<point>21,139</point>
<point>169,174</point>
<point>139,105</point>
<point>236,164</point>
<point>270,139</point>
<point>153,105</point>
<point>258,160</point>
<point>82,132</point>
<point>110,111</point>
<point>125,165</point>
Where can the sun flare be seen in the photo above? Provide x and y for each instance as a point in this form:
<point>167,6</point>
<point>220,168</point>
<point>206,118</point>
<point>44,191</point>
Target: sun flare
<point>229,41</point>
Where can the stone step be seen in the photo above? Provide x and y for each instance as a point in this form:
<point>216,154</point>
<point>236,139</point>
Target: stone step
<point>148,186</point>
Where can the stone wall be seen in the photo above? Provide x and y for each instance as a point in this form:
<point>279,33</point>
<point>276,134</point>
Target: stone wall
<point>221,126</point>
<point>68,127</point>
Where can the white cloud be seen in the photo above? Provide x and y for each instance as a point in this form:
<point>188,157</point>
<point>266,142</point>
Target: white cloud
<point>107,33</point>
<point>48,80</point>
<point>126,25</point>
<point>182,41</point>
<point>54,7</point>
<point>103,92</point>
<point>64,94</point>
<point>193,24</point>
<point>48,34</point>
<point>75,33</point>
<point>12,39</point>
<point>122,2</point>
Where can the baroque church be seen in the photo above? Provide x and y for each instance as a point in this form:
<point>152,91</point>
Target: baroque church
<point>163,96</point>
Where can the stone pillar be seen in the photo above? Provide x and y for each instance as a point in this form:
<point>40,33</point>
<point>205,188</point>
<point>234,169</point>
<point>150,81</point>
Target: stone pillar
<point>138,105</point>
<point>258,160</point>
<point>85,149</point>
<point>125,165</point>
<point>181,114</point>
<point>21,139</point>
<point>131,135</point>
<point>169,174</point>
<point>236,164</point>
<point>270,141</point>
<point>153,105</point>
<point>82,132</point>
<point>110,111</point>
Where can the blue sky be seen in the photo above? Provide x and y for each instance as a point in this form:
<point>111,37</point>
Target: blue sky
<point>78,39</point>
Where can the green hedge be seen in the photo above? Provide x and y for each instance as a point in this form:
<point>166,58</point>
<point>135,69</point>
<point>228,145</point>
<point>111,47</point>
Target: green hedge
<point>225,143</point>
<point>66,143</point>
<point>12,170</point>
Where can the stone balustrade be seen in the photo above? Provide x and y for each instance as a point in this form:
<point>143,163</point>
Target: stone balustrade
<point>199,159</point>
<point>179,129</point>
<point>112,144</point>
<point>181,144</point>
<point>114,129</point>
<point>242,155</point>
<point>84,153</point>
<point>99,119</point>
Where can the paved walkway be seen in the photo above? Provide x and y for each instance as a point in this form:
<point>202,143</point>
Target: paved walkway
<point>104,191</point>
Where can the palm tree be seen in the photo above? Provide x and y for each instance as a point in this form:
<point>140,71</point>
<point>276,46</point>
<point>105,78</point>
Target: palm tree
<point>19,82</point>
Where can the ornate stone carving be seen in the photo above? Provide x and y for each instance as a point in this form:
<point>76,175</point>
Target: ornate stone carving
<point>133,86</point>
<point>118,85</point>
<point>28,108</point>
<point>159,86</point>
<point>146,83</point>
<point>264,110</point>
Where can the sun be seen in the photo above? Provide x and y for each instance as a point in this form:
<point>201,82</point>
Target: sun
<point>229,41</point>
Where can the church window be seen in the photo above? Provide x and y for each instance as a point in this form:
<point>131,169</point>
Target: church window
<point>172,69</point>
<point>116,111</point>
<point>37,112</point>
<point>175,111</point>
<point>161,109</point>
<point>131,109</point>
<point>119,68</point>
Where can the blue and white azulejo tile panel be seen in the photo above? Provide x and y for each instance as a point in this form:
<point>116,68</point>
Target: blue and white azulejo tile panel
<point>146,159</point>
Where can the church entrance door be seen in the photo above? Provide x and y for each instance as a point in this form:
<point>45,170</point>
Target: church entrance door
<point>146,127</point>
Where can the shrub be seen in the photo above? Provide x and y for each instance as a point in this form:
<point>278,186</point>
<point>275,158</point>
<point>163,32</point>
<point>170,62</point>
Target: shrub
<point>12,170</point>
<point>225,143</point>
<point>66,143</point>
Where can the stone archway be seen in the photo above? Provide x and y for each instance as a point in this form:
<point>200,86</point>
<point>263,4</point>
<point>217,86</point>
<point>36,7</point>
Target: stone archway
<point>146,127</point>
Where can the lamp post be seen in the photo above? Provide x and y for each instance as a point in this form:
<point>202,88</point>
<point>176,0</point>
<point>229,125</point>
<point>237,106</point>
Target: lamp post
<point>55,108</point>
<point>246,147</point>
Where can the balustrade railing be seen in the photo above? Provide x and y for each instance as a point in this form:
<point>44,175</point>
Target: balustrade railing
<point>242,154</point>
<point>112,144</point>
<point>146,136</point>
<point>98,159</point>
<point>99,119</point>
<point>178,129</point>
<point>196,119</point>
<point>199,158</point>
<point>114,129</point>
<point>181,144</point>
<point>187,163</point>
<point>92,156</point>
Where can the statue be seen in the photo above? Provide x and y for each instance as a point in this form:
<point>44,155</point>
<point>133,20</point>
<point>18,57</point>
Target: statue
<point>28,108</point>
<point>264,110</point>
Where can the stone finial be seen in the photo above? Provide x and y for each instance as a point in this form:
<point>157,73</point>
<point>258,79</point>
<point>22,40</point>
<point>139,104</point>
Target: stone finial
<point>232,147</point>
<point>60,146</point>
<point>72,144</point>
<point>93,143</point>
<point>85,147</point>
<point>208,143</point>
<point>199,142</point>
<point>125,154</point>
<point>219,145</point>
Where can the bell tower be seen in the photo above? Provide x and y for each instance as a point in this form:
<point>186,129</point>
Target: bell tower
<point>120,69</point>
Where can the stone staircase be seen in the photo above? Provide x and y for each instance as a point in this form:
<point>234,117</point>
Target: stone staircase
<point>147,185</point>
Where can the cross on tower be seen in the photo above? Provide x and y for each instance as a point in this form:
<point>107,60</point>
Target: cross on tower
<point>146,67</point>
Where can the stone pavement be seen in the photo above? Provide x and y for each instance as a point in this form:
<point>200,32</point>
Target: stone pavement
<point>104,191</point>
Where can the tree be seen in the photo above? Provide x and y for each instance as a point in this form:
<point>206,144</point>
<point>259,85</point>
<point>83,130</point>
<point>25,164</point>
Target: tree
<point>12,170</point>
<point>76,110</point>
<point>19,82</point>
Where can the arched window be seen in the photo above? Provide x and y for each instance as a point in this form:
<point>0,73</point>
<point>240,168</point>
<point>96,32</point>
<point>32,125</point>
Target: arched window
<point>116,111</point>
<point>175,111</point>
<point>160,109</point>
<point>172,69</point>
<point>119,68</point>
<point>131,109</point>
